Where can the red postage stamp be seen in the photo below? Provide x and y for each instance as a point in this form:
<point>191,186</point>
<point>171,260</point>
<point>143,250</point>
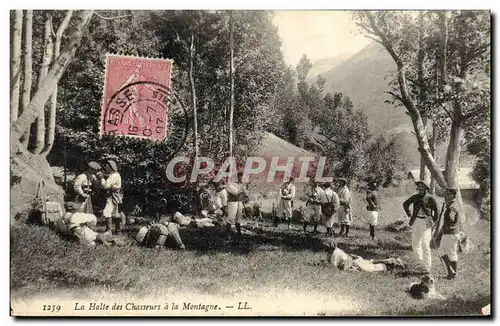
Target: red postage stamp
<point>136,95</point>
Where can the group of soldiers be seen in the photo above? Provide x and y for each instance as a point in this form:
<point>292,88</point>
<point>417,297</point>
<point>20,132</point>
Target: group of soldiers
<point>425,216</point>
<point>91,182</point>
<point>327,204</point>
<point>78,221</point>
<point>324,203</point>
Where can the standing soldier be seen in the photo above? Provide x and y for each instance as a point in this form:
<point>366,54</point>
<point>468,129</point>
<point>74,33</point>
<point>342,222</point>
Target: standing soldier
<point>422,217</point>
<point>449,240</point>
<point>286,203</point>
<point>220,201</point>
<point>312,211</point>
<point>345,216</point>
<point>329,207</point>
<point>83,187</point>
<point>114,196</point>
<point>236,194</point>
<point>373,207</point>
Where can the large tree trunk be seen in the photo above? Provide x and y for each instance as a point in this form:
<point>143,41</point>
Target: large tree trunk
<point>15,65</point>
<point>48,49</point>
<point>231,74</point>
<point>28,66</point>
<point>434,154</point>
<point>453,152</point>
<point>48,85</point>
<point>423,174</point>
<point>193,94</point>
<point>453,161</point>
<point>50,134</point>
<point>421,98</point>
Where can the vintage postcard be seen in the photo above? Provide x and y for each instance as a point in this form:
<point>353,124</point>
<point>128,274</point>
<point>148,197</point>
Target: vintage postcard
<point>250,163</point>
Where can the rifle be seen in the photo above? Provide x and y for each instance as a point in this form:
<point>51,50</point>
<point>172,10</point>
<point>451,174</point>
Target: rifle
<point>437,234</point>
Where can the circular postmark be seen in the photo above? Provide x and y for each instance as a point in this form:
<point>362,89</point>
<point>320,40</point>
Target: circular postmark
<point>146,110</point>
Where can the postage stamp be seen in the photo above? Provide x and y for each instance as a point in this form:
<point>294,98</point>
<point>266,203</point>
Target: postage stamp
<point>136,97</point>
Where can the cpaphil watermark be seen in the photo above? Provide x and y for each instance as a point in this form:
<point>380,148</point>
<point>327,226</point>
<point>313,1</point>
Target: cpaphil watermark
<point>303,169</point>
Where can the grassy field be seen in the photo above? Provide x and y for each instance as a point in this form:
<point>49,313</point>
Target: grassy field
<point>272,269</point>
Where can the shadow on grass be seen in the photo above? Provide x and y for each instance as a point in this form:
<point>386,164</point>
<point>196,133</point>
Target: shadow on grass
<point>212,240</point>
<point>68,279</point>
<point>455,307</point>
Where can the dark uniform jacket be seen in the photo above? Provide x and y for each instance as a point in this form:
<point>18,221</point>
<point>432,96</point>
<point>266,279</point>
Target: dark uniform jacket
<point>372,200</point>
<point>427,203</point>
<point>450,219</point>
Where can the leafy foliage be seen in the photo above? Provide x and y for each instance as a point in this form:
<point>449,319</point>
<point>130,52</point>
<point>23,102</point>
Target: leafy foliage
<point>259,73</point>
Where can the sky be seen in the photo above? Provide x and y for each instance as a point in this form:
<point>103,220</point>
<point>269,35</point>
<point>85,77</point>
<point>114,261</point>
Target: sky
<point>318,34</point>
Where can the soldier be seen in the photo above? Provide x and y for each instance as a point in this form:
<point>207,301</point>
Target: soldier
<point>345,212</point>
<point>373,207</point>
<point>286,202</point>
<point>329,208</point>
<point>156,235</point>
<point>422,217</point>
<point>83,187</point>
<point>114,196</point>
<point>220,201</point>
<point>78,225</point>
<point>236,194</point>
<point>345,261</point>
<point>312,210</point>
<point>449,240</point>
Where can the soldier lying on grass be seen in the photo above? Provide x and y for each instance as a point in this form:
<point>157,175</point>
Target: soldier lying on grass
<point>345,261</point>
<point>79,226</point>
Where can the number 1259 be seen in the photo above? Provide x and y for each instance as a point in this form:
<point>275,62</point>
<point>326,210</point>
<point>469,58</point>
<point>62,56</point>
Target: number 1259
<point>51,307</point>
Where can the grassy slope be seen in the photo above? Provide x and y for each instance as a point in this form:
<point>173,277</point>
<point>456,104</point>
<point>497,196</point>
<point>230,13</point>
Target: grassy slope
<point>270,267</point>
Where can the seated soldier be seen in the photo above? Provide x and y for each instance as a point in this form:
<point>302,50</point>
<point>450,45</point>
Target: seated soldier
<point>77,225</point>
<point>344,261</point>
<point>219,204</point>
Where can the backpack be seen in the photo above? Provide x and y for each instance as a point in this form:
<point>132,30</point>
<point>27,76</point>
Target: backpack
<point>328,208</point>
<point>152,236</point>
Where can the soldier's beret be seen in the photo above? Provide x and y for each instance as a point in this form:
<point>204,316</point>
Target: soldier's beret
<point>94,165</point>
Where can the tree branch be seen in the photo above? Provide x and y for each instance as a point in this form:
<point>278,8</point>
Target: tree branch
<point>372,38</point>
<point>111,18</point>
<point>447,111</point>
<point>396,96</point>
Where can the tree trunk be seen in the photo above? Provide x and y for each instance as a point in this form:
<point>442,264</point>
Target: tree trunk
<point>28,66</point>
<point>50,135</point>
<point>406,100</point>
<point>421,134</point>
<point>423,174</point>
<point>28,62</point>
<point>434,154</point>
<point>48,49</point>
<point>421,97</point>
<point>453,162</point>
<point>231,76</point>
<point>193,95</point>
<point>48,85</point>
<point>453,152</point>
<point>15,65</point>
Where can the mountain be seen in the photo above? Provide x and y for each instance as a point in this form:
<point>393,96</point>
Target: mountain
<point>326,64</point>
<point>364,78</point>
